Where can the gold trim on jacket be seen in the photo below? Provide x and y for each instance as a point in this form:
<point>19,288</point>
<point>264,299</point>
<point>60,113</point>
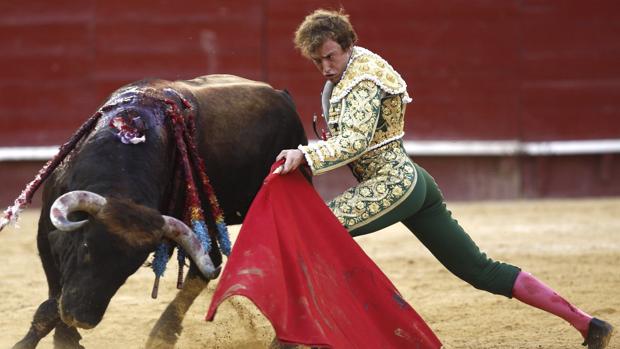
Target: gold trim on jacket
<point>367,65</point>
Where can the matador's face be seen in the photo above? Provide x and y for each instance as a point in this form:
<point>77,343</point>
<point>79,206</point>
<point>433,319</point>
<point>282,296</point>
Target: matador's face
<point>331,60</point>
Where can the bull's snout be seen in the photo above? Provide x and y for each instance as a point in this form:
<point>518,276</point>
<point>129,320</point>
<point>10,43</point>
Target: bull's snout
<point>75,314</point>
<point>70,320</point>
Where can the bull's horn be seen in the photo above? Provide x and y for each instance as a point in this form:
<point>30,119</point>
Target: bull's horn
<point>78,200</point>
<point>178,231</point>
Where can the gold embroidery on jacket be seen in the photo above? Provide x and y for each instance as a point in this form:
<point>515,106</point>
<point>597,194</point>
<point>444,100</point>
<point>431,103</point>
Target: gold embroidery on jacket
<point>387,177</point>
<point>391,120</point>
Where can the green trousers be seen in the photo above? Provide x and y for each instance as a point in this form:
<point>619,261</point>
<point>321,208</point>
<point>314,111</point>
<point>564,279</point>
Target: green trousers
<point>425,214</point>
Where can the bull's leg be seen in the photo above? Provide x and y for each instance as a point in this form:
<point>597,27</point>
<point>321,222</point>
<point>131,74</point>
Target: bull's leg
<point>169,326</point>
<point>44,320</point>
<point>66,337</point>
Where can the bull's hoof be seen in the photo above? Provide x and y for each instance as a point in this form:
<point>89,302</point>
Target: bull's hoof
<point>599,334</point>
<point>159,343</point>
<point>67,345</point>
<point>166,331</point>
<point>25,344</point>
<point>66,337</point>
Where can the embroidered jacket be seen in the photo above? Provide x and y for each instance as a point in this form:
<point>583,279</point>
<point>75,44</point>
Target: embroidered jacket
<point>365,116</point>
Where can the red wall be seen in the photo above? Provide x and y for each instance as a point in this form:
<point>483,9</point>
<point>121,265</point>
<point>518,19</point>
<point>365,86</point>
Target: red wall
<point>484,70</point>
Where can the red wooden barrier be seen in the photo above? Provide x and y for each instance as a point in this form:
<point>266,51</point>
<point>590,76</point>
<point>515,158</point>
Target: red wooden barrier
<point>477,70</point>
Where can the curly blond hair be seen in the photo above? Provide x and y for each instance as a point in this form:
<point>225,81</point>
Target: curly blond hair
<point>322,25</point>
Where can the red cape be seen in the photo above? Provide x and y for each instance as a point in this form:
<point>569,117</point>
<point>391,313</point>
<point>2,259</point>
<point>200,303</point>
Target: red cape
<point>308,276</point>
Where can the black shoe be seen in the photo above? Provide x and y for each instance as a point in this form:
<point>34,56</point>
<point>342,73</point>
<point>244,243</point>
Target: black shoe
<point>599,333</point>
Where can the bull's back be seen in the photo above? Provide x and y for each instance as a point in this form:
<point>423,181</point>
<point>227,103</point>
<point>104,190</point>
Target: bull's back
<point>235,110</point>
<point>242,125</point>
<point>221,93</point>
<point>219,81</point>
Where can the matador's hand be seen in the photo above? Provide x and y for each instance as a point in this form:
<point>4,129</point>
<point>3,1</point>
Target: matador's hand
<point>294,158</point>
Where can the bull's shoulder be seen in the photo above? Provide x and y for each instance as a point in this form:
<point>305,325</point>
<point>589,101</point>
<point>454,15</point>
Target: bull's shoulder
<point>216,81</point>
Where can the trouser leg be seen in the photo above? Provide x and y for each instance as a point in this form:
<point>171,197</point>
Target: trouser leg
<point>434,226</point>
<point>425,214</point>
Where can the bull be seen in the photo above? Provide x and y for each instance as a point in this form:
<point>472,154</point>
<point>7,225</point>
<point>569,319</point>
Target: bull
<point>113,199</point>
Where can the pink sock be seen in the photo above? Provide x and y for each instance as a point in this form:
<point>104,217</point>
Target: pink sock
<point>532,291</point>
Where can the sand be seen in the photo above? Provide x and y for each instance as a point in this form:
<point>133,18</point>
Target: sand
<point>573,245</point>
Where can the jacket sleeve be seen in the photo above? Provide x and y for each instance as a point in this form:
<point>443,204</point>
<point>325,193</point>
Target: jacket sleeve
<point>358,120</point>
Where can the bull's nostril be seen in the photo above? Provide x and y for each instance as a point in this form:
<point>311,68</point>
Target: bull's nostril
<point>83,325</point>
<point>70,321</point>
<point>66,318</point>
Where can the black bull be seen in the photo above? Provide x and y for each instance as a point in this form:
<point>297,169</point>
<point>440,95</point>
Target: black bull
<point>241,127</point>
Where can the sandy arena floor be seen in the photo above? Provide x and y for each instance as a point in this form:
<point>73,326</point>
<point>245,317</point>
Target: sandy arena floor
<point>574,246</point>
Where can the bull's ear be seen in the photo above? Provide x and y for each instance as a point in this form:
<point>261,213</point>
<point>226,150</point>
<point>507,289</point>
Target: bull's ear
<point>136,225</point>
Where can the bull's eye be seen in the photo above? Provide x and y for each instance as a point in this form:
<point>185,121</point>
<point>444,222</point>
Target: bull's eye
<point>83,253</point>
